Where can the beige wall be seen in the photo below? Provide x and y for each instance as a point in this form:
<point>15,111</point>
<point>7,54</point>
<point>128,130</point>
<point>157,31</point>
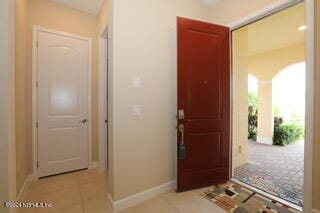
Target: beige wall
<point>7,134</point>
<point>266,65</point>
<point>22,124</point>
<point>240,97</point>
<point>316,148</point>
<point>265,112</point>
<point>143,44</point>
<point>228,11</point>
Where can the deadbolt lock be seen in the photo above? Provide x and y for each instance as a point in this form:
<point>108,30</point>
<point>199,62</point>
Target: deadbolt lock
<point>180,114</point>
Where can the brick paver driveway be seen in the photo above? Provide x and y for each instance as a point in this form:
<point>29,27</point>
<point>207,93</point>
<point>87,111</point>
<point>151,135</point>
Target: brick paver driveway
<point>275,169</point>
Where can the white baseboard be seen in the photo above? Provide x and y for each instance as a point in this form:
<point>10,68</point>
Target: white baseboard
<point>140,197</point>
<point>101,166</point>
<point>34,177</point>
<point>315,211</point>
<point>93,165</point>
<point>24,187</point>
<point>110,202</point>
<point>264,140</point>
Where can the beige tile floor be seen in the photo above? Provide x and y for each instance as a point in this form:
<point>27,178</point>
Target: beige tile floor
<point>78,192</point>
<point>172,202</point>
<point>85,192</point>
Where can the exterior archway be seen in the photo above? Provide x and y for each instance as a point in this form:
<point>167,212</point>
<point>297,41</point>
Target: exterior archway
<point>288,92</point>
<point>266,66</point>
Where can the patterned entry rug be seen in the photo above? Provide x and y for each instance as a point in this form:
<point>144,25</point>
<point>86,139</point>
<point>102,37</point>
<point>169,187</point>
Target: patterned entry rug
<point>235,198</point>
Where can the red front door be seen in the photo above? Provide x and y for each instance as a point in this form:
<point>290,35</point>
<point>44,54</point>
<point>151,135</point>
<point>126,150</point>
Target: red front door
<point>203,104</point>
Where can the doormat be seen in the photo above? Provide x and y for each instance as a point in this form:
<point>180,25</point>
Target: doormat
<point>235,198</point>
<point>275,189</point>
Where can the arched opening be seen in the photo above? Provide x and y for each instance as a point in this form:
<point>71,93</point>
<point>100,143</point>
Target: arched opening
<point>288,93</point>
<point>253,85</point>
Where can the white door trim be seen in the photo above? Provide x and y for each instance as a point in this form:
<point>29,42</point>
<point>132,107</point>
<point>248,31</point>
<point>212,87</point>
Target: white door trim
<point>310,74</point>
<point>102,100</point>
<point>34,94</point>
<point>264,12</point>
<point>310,69</point>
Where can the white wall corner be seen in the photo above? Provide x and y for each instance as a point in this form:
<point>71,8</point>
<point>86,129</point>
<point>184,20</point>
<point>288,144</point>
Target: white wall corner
<point>264,140</point>
<point>24,188</point>
<point>140,197</point>
<point>34,177</point>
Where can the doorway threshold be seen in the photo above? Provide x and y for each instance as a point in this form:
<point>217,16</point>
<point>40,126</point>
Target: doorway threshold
<point>299,208</point>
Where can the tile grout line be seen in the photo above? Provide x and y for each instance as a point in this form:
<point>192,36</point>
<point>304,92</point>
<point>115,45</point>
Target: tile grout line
<point>81,198</point>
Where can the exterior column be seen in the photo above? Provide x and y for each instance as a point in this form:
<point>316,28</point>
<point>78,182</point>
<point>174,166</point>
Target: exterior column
<point>265,113</point>
<point>240,97</point>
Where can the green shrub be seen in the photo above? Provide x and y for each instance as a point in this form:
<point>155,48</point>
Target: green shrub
<point>252,123</point>
<point>253,99</point>
<point>278,120</point>
<point>285,134</point>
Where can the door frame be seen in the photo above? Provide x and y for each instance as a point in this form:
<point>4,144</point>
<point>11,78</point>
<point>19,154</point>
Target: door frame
<point>310,73</point>
<point>103,101</point>
<point>37,29</point>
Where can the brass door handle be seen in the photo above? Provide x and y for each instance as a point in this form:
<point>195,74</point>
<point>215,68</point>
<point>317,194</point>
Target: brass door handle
<point>83,121</point>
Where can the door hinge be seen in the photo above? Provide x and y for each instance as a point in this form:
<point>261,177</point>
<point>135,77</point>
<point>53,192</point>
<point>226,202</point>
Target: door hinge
<point>37,84</point>
<point>37,44</point>
<point>37,164</point>
<point>37,124</point>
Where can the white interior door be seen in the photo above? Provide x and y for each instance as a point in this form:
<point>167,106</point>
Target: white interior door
<point>63,68</point>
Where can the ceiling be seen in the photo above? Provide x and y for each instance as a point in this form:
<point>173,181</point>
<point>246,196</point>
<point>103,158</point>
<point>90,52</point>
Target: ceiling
<point>89,6</point>
<point>277,31</point>
<point>210,3</point>
<point>274,32</point>
<point>93,6</point>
